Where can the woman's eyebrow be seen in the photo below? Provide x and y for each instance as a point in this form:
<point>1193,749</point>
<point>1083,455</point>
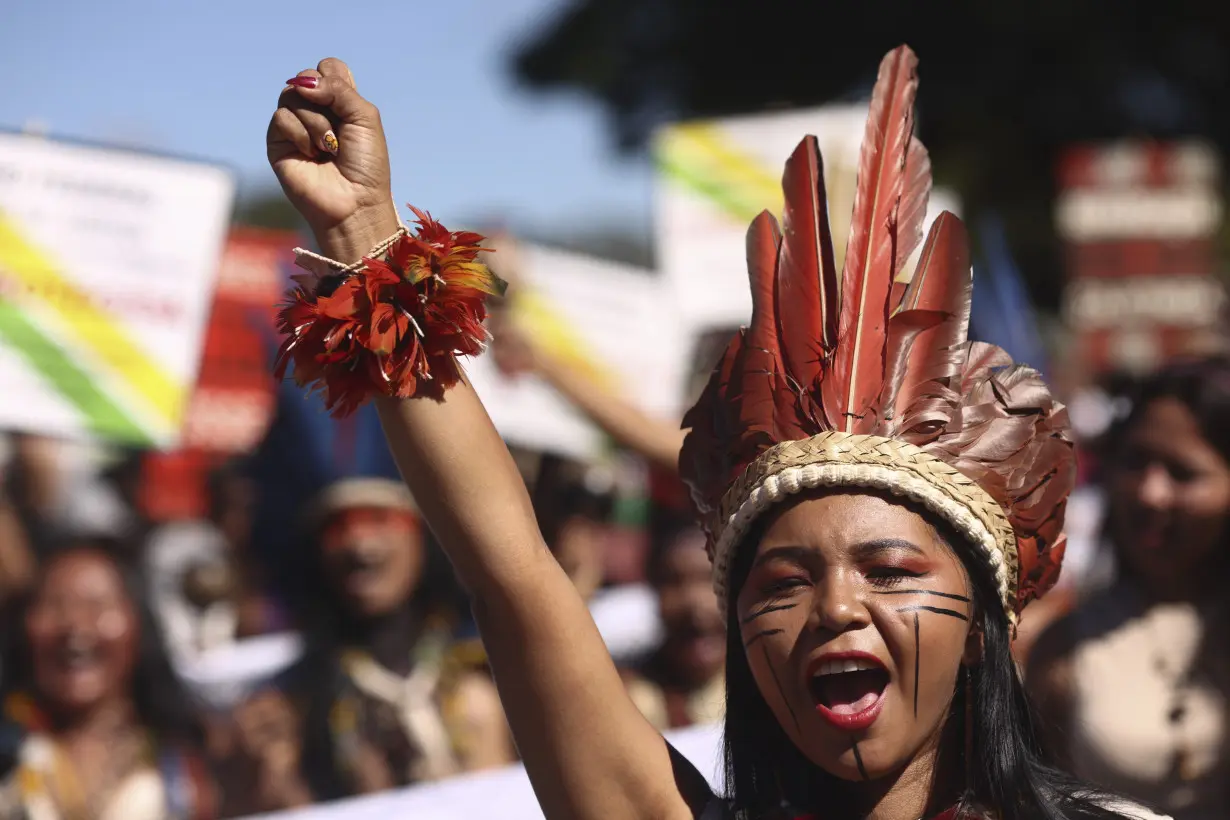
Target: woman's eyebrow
<point>868,550</point>
<point>797,555</point>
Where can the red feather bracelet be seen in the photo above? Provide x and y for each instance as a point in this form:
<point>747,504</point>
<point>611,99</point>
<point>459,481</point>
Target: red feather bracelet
<point>392,324</point>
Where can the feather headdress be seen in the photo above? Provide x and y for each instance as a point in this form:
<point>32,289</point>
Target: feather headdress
<point>867,378</point>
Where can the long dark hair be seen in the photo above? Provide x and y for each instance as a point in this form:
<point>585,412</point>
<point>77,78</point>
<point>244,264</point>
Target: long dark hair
<point>1011,774</point>
<point>162,704</point>
<point>1202,385</point>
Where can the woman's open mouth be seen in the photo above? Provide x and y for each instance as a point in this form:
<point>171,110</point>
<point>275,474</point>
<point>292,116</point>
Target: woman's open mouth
<point>848,689</point>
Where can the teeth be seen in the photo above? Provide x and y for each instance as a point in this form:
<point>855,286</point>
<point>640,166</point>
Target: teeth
<point>840,667</point>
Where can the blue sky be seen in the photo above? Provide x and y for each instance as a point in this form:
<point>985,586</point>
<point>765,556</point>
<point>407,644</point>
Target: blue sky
<point>201,78</point>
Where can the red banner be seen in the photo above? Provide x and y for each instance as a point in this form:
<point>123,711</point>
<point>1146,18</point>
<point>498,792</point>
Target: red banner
<point>233,402</point>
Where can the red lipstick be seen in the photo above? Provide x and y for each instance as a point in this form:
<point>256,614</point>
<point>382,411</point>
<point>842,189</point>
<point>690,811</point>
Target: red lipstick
<point>848,688</point>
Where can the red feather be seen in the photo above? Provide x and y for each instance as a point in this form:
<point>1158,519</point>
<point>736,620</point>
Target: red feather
<point>758,380</point>
<point>807,294</point>
<point>933,317</point>
<point>394,327</point>
<point>712,447</point>
<point>851,389</point>
<point>912,210</point>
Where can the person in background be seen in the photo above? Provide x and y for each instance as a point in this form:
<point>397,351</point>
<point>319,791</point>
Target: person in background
<point>188,587</point>
<point>1086,565</point>
<point>375,700</point>
<point>258,755</point>
<point>96,724</point>
<point>205,585</point>
<point>1134,682</point>
<point>17,562</point>
<point>233,496</point>
<point>682,682</point>
<point>574,506</point>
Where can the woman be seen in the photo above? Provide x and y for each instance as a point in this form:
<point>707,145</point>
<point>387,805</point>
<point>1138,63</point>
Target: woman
<point>1135,681</point>
<point>96,724</point>
<point>574,516</point>
<point>841,703</point>
<point>233,498</point>
<point>384,706</point>
<point>682,682</point>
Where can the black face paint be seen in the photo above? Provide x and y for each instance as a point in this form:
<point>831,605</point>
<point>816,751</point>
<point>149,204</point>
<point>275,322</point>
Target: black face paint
<point>937,610</point>
<point>782,692</point>
<point>917,645</point>
<point>936,593</point>
<point>764,633</point>
<point>858,759</point>
<point>765,610</point>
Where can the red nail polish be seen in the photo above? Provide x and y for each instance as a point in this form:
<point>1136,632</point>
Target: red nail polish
<point>304,82</point>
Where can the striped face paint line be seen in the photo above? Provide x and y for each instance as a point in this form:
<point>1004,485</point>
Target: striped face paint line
<point>782,692</point>
<point>765,610</point>
<point>950,596</point>
<point>764,633</point>
<point>917,660</point>
<point>858,759</point>
<point>937,610</point>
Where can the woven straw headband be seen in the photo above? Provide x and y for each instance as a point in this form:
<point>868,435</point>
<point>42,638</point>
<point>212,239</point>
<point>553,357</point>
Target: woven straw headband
<point>836,459</point>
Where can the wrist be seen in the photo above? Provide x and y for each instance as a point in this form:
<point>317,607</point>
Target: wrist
<point>348,240</point>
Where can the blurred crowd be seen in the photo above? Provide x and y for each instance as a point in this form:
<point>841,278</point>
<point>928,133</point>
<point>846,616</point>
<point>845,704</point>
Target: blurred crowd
<point>181,670</point>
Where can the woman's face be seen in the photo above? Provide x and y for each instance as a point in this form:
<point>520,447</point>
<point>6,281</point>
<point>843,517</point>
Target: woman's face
<point>855,618</point>
<point>373,557</point>
<point>1169,497</point>
<point>83,633</point>
<point>695,641</point>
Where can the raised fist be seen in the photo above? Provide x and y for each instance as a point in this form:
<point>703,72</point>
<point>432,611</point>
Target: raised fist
<point>327,147</point>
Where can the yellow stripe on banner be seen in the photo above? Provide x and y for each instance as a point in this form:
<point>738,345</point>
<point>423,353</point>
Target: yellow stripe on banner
<point>103,335</point>
<point>757,183</point>
<point>538,316</point>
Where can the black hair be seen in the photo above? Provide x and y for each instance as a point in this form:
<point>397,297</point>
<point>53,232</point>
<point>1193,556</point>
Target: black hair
<point>1012,776</point>
<point>562,494</point>
<point>1202,385</point>
<point>162,704</point>
<point>220,480</point>
<point>667,524</point>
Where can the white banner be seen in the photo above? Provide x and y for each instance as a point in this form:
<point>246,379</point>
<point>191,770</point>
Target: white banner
<point>107,266</point>
<point>618,322</point>
<point>505,793</point>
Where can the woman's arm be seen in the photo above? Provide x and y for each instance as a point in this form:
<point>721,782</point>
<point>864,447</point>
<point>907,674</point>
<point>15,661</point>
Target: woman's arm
<point>588,751</point>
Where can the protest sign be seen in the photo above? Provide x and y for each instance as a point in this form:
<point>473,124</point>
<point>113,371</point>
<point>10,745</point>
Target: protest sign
<point>107,267</point>
<point>617,323</point>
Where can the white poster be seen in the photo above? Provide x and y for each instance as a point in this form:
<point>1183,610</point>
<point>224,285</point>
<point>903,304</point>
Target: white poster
<point>107,266</point>
<point>617,322</point>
